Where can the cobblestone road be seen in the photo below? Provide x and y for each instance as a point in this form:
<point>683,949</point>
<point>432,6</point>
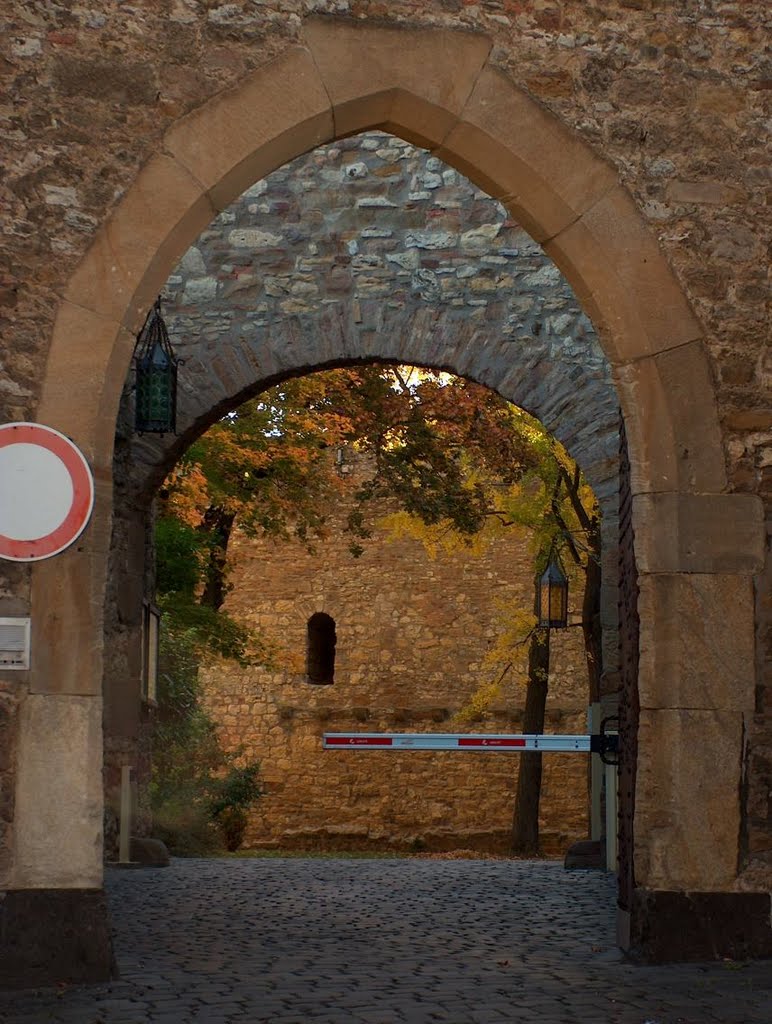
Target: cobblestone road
<point>383,942</point>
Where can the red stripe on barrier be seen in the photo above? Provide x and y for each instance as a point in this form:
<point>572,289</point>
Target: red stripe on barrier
<point>359,741</point>
<point>492,742</point>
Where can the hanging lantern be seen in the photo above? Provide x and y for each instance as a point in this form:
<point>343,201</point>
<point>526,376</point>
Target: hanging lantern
<point>155,368</point>
<point>552,596</point>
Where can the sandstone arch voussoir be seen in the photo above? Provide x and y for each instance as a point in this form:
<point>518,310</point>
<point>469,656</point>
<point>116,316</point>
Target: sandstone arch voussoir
<point>410,80</point>
<point>279,111</point>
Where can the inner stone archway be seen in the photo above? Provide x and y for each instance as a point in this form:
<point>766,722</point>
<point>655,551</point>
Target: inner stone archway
<point>693,540</point>
<point>368,246</point>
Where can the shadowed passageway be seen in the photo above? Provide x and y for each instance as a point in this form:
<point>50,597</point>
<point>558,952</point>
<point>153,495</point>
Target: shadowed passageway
<point>383,942</point>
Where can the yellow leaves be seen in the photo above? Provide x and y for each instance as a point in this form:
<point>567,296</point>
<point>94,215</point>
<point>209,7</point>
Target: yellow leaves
<point>478,704</point>
<point>438,538</point>
<point>188,494</point>
<point>514,627</point>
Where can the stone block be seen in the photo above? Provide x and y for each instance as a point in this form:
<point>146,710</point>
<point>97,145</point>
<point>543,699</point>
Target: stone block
<point>670,447</point>
<point>67,611</point>
<point>672,927</point>
<point>413,82</point>
<point>587,854</point>
<point>58,829</point>
<point>53,937</point>
<point>687,809</point>
<point>89,356</point>
<point>697,645</point>
<point>750,419</point>
<point>521,153</point>
<point>239,136</point>
<point>699,533</point>
<point>149,852</point>
<point>622,280</point>
<point>132,255</point>
<point>715,193</point>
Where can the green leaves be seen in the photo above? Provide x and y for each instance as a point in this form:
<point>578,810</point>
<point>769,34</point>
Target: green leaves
<point>179,556</point>
<point>194,781</point>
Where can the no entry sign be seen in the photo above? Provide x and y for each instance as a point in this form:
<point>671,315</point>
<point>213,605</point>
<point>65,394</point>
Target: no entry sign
<point>46,492</point>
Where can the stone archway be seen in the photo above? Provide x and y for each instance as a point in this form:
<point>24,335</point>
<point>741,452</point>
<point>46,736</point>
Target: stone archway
<point>694,541</point>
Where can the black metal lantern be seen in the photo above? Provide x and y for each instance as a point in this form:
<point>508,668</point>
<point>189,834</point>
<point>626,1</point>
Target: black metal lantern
<point>155,367</point>
<point>552,596</point>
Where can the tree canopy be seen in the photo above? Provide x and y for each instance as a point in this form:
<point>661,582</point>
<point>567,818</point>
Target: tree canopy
<point>457,463</point>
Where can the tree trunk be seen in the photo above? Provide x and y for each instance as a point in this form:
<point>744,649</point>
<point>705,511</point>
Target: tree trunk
<point>591,627</point>
<point>525,824</point>
<point>218,524</point>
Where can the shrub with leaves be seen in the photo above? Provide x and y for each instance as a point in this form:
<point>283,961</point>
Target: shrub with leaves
<point>199,793</point>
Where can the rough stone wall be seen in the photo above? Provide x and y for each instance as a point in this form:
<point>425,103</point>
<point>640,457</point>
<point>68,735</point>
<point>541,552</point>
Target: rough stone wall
<point>393,242</point>
<point>377,238</point>
<point>413,633</point>
<point>14,600</point>
<point>673,94</point>
<point>373,217</point>
<point>380,240</point>
<point>757,778</point>
<point>9,710</point>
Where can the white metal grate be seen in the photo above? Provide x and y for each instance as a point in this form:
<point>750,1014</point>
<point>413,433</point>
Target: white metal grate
<point>14,643</point>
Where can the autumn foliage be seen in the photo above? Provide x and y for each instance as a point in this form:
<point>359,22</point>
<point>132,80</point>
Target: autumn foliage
<point>457,462</point>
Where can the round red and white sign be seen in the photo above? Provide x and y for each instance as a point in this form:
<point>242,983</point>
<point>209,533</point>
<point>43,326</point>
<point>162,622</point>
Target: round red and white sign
<point>46,492</point>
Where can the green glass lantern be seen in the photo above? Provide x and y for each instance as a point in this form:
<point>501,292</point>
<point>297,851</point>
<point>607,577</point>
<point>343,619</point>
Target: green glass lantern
<point>552,596</point>
<point>155,368</point>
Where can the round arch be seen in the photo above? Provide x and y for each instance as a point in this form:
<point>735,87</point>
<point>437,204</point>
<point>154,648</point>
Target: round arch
<point>442,90</point>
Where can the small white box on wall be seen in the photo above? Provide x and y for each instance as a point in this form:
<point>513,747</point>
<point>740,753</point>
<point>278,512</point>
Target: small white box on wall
<point>14,643</point>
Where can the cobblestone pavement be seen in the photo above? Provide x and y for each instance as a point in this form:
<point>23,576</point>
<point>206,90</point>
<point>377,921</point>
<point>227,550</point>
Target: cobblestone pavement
<point>383,942</point>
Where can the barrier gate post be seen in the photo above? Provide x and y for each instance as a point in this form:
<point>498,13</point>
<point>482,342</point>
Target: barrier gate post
<point>596,775</point>
<point>612,796</point>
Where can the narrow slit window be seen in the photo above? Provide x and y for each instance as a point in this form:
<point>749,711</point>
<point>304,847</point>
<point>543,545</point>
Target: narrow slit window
<point>320,655</point>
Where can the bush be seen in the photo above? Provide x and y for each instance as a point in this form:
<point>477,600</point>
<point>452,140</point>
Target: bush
<point>232,823</point>
<point>236,792</point>
<point>199,794</point>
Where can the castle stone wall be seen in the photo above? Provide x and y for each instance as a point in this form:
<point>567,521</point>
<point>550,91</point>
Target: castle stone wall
<point>414,635</point>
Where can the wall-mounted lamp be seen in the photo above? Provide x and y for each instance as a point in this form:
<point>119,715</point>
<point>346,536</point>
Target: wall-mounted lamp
<point>552,596</point>
<point>155,368</point>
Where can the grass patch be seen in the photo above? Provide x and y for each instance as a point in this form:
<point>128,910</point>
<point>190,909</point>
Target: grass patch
<point>374,855</point>
<point>316,854</point>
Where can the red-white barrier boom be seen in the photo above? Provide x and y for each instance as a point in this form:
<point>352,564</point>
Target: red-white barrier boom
<point>490,742</point>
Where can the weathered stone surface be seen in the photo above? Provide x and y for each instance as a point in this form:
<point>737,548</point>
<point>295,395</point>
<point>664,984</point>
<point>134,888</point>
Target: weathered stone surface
<point>419,89</point>
<point>714,192</point>
<point>697,643</point>
<point>167,203</point>
<point>687,803</point>
<point>694,926</point>
<point>699,533</point>
<point>54,936</point>
<point>659,318</point>
<point>660,91</point>
<point>227,149</point>
<point>130,82</point>
<point>672,448</point>
<point>522,155</point>
<point>67,596</point>
<point>59,793</point>
<point>150,852</point>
